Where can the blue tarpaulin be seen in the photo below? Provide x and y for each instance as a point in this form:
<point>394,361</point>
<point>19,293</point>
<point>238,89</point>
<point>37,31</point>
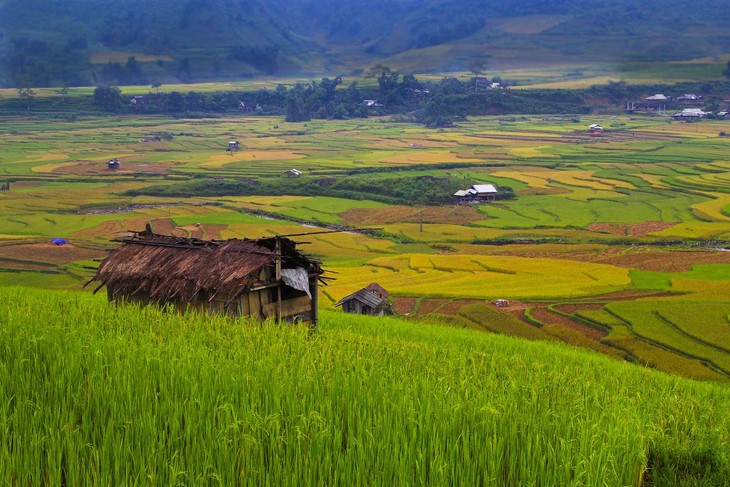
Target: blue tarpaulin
<point>59,241</point>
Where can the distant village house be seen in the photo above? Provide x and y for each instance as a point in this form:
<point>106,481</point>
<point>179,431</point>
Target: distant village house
<point>261,278</point>
<point>595,129</point>
<point>113,164</point>
<point>293,173</point>
<point>690,114</point>
<point>372,103</point>
<point>371,300</point>
<point>478,193</point>
<point>249,107</point>
<point>5,187</point>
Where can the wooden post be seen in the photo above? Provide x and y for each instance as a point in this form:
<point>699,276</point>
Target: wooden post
<point>278,278</point>
<point>313,290</point>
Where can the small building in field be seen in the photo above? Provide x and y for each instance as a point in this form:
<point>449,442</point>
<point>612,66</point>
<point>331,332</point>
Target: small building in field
<point>595,129</point>
<point>691,99</point>
<point>485,192</point>
<point>371,300</point>
<point>478,193</point>
<point>293,173</point>
<point>233,145</point>
<point>690,114</point>
<point>249,107</point>
<point>5,187</point>
<point>261,278</point>
<point>372,103</point>
<point>113,164</point>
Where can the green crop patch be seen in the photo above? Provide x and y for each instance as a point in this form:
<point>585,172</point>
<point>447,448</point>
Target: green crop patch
<point>394,390</point>
<point>571,211</point>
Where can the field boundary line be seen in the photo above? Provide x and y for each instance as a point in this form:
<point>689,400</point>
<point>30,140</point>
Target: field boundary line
<point>704,361</point>
<point>689,335</point>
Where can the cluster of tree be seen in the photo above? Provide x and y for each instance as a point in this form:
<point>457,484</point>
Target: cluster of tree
<point>129,74</point>
<point>437,104</point>
<point>37,63</point>
<point>405,190</point>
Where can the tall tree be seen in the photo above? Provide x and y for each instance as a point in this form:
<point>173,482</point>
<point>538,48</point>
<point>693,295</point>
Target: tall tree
<point>108,98</point>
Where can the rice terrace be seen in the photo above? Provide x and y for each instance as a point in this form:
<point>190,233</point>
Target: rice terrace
<point>346,243</point>
<point>638,216</point>
<point>615,244</point>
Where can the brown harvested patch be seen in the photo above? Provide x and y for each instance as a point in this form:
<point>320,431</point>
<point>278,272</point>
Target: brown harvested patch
<point>542,191</point>
<point>641,258</point>
<point>49,253</point>
<point>548,317</point>
<point>575,308</point>
<point>660,260</point>
<point>644,228</point>
<point>403,305</point>
<point>430,305</point>
<point>454,306</point>
<point>457,215</point>
<point>164,226</point>
<point>108,230</point>
<point>25,265</point>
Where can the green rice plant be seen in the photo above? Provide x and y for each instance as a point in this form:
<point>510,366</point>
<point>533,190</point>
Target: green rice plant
<point>497,321</point>
<point>650,355</point>
<point>99,393</point>
<point>645,323</point>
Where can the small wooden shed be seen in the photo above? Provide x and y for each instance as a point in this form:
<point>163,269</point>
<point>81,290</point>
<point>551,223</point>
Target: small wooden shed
<point>261,278</point>
<point>371,300</point>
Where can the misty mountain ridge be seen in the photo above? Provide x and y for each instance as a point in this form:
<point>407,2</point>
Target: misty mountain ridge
<point>82,42</point>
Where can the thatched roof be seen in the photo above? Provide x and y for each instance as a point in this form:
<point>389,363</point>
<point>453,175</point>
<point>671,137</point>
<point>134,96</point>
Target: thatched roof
<point>169,268</point>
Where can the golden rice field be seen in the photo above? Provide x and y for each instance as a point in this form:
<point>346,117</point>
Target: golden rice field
<point>586,224</point>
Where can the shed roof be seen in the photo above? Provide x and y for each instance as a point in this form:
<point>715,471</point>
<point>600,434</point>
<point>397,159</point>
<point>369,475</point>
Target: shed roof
<point>364,296</point>
<point>484,188</point>
<point>376,288</point>
<point>172,268</point>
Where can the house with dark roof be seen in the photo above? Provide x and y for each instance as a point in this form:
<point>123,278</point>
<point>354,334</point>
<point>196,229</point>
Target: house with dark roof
<point>261,278</point>
<point>371,300</point>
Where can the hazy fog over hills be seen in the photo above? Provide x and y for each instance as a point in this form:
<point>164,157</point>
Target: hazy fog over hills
<point>46,42</point>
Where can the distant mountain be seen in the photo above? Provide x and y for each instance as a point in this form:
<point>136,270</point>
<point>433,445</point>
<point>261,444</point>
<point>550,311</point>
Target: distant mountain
<point>47,42</point>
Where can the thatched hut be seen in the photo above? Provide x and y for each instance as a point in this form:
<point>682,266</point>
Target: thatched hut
<point>262,278</point>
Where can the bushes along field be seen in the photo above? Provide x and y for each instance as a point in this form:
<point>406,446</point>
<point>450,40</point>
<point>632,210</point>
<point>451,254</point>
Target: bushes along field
<point>95,394</point>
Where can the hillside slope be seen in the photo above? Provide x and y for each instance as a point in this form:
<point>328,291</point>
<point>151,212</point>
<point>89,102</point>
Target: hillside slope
<point>52,43</point>
<point>116,395</point>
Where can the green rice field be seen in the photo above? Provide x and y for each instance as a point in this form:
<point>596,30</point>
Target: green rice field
<point>95,393</point>
<point>626,231</point>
